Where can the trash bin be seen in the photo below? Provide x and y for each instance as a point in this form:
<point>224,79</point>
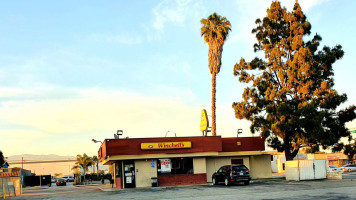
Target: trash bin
<point>154,181</point>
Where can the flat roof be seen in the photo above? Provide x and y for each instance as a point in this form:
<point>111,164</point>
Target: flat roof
<point>144,148</point>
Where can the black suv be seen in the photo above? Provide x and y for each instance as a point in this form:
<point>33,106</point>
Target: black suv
<point>231,174</point>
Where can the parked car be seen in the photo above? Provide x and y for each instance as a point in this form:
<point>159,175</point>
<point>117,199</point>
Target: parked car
<point>61,182</point>
<point>68,178</point>
<point>53,180</point>
<point>228,174</point>
<point>333,168</point>
<point>348,168</point>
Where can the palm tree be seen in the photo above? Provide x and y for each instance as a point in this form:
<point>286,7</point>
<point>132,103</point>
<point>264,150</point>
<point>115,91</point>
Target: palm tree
<point>84,161</point>
<point>57,175</point>
<point>76,170</point>
<point>215,30</point>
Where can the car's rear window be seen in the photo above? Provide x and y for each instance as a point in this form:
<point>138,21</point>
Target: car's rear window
<point>239,168</point>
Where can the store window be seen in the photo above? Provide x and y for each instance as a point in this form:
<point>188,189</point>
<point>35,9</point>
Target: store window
<point>237,161</point>
<point>170,166</point>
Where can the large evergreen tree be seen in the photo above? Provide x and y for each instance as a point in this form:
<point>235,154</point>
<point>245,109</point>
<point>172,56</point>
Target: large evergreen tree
<point>290,97</point>
<point>215,30</point>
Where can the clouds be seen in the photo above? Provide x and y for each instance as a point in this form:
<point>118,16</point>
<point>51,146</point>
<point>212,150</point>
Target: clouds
<point>57,66</point>
<point>97,113</point>
<point>94,113</point>
<point>248,12</point>
<point>308,4</point>
<point>175,12</point>
<point>140,66</point>
<point>125,38</point>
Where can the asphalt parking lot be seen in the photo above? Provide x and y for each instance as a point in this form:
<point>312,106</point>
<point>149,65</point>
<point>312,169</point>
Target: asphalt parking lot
<point>258,189</point>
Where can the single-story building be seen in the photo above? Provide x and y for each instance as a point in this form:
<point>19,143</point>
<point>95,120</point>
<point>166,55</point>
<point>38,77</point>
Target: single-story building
<point>11,180</point>
<point>136,162</point>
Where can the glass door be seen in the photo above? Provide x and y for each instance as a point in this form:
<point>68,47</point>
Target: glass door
<point>129,174</point>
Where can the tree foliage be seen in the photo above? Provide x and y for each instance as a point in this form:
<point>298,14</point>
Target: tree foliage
<point>348,149</point>
<point>57,175</point>
<point>290,97</point>
<point>215,30</point>
<point>2,160</point>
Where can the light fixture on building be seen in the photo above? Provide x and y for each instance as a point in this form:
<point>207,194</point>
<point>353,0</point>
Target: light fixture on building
<point>239,131</point>
<point>118,133</point>
<point>96,141</point>
<point>175,135</point>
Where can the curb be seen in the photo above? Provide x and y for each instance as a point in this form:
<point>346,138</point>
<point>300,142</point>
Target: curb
<point>89,185</point>
<point>109,189</point>
<point>37,188</point>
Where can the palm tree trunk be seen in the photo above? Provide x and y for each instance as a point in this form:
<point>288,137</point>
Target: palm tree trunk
<point>213,128</point>
<point>97,168</point>
<point>84,174</point>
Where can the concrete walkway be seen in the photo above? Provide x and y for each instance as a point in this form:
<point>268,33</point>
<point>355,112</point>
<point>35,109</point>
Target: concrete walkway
<point>110,188</point>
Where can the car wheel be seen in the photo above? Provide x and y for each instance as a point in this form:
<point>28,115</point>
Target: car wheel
<point>247,182</point>
<point>214,181</point>
<point>227,182</point>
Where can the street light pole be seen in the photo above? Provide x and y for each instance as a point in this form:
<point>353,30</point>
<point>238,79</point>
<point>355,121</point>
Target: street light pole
<point>96,141</point>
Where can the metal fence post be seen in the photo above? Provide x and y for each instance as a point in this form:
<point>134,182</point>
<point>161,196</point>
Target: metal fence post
<point>3,186</point>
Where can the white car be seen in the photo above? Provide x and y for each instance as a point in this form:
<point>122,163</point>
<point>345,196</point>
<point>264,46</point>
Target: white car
<point>68,178</point>
<point>348,168</point>
<point>333,168</point>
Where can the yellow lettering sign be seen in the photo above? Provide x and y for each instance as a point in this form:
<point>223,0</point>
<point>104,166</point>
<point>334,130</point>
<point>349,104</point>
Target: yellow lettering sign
<point>166,145</point>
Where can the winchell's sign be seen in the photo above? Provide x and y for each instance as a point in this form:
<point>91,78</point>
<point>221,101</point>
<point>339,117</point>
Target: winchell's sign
<point>166,145</point>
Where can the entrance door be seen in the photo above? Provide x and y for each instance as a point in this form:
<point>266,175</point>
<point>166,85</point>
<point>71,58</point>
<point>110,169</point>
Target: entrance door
<point>129,174</point>
<point>320,169</point>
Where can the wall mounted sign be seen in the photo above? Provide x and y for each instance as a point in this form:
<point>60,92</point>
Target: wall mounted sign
<point>204,122</point>
<point>153,163</point>
<point>166,145</point>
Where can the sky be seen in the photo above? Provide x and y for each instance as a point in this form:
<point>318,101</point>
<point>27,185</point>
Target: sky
<point>73,71</point>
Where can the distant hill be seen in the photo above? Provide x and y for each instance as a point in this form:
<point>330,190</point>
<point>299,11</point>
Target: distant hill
<point>39,157</point>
